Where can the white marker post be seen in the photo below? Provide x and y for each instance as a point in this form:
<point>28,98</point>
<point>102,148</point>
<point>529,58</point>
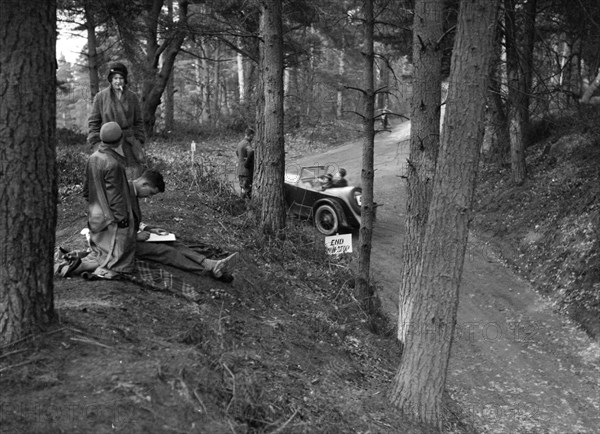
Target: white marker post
<point>337,244</point>
<point>193,169</point>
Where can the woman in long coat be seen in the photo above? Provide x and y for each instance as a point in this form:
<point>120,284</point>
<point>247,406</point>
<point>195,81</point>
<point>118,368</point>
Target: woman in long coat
<point>117,103</point>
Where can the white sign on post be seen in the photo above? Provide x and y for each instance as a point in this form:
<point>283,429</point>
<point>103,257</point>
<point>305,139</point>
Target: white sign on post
<point>337,244</point>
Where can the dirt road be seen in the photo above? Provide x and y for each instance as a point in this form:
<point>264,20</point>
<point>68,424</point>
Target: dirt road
<point>516,365</point>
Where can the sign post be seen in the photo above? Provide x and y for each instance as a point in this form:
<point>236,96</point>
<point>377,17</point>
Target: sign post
<point>337,244</point>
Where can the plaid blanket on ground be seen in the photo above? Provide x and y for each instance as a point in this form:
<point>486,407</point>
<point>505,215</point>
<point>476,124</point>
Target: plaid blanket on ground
<point>154,277</point>
<point>148,274</point>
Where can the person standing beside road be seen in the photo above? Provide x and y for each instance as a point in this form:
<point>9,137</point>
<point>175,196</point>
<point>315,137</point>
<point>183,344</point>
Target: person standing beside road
<point>245,169</point>
<point>117,103</point>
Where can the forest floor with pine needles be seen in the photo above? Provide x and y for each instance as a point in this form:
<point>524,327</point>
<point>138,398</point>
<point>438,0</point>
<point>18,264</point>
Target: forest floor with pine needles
<point>284,348</point>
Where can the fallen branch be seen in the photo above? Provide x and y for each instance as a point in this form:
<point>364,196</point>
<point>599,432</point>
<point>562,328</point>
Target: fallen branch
<point>13,353</point>
<point>18,364</point>
<point>286,423</point>
<point>90,341</point>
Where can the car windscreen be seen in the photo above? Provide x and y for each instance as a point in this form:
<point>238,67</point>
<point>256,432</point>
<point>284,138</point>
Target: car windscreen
<point>310,174</point>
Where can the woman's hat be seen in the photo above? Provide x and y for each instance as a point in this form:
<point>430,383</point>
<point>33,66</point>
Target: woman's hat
<point>111,133</point>
<point>117,68</point>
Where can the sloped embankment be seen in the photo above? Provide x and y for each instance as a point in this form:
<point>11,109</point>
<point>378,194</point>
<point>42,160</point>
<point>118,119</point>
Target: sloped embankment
<point>548,228</point>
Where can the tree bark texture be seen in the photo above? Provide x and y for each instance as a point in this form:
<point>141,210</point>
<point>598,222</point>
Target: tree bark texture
<point>499,151</point>
<point>260,151</point>
<point>216,104</point>
<point>92,53</point>
<point>526,78</point>
<point>170,88</point>
<point>28,189</point>
<point>420,381</point>
<point>363,289</point>
<point>424,144</point>
<point>339,106</point>
<point>273,158</point>
<point>205,83</point>
<point>516,96</point>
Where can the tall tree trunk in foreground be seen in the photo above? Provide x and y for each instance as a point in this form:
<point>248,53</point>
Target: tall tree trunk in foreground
<point>272,159</point>
<point>420,381</point>
<point>259,122</point>
<point>424,144</point>
<point>364,292</point>
<point>27,166</point>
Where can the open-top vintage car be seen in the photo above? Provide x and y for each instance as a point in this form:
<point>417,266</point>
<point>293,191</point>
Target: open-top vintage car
<point>331,209</point>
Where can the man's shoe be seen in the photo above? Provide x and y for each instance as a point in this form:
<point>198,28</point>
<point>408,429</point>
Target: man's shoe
<point>222,266</point>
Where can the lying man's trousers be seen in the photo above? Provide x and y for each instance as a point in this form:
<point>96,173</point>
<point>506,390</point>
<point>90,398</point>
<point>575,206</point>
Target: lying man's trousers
<point>173,253</point>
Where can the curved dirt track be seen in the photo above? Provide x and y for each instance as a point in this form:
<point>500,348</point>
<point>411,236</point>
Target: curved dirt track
<point>516,365</point>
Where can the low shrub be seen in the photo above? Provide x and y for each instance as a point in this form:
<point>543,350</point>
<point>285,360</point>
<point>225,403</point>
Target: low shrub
<point>68,137</point>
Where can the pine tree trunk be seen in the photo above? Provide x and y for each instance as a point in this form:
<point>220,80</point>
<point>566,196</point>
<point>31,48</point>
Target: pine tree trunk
<point>526,77</point>
<point>516,99</point>
<point>339,106</point>
<point>273,210</point>
<point>170,103</point>
<point>424,144</point>
<point>499,152</point>
<point>170,88</point>
<point>260,151</point>
<point>421,379</point>
<point>90,24</point>
<point>241,78</point>
<point>205,117</point>
<point>28,189</point>
<point>363,289</point>
<point>216,86</point>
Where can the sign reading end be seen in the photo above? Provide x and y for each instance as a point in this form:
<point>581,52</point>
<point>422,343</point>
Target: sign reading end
<point>337,244</point>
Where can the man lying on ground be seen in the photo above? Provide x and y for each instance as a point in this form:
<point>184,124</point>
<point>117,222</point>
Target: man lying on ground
<point>173,253</point>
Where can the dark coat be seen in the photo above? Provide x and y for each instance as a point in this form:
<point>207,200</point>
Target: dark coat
<point>107,190</point>
<point>243,151</point>
<point>126,112</point>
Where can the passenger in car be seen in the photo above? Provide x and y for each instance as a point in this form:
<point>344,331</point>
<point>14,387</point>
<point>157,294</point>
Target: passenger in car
<point>339,179</point>
<point>326,181</point>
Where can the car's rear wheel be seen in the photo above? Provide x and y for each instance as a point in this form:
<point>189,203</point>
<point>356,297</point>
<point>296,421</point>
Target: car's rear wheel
<point>326,220</point>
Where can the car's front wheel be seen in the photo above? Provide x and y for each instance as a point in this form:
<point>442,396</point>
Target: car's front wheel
<point>326,220</point>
